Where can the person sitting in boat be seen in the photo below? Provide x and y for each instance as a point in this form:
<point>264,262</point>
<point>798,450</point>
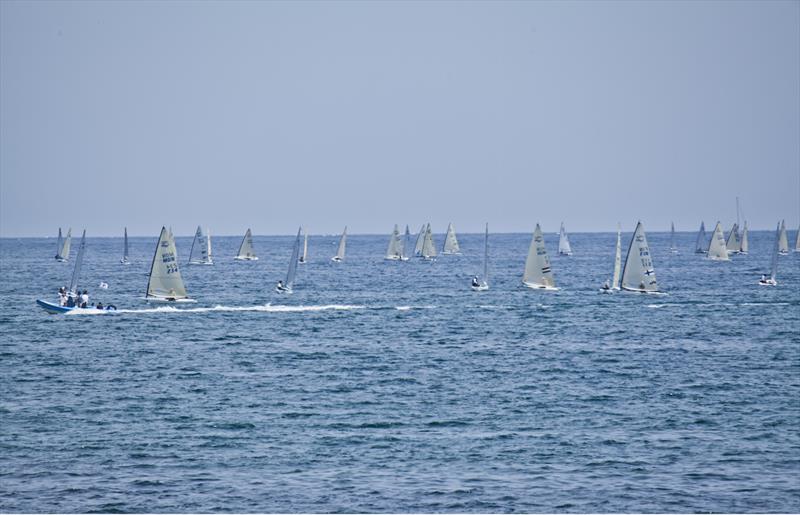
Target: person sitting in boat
<point>84,302</point>
<point>70,300</point>
<point>641,285</point>
<point>475,282</point>
<point>280,286</point>
<point>62,296</point>
<point>606,285</point>
<point>763,278</point>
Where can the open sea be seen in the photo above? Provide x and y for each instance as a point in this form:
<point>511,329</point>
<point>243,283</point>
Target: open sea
<point>392,387</point>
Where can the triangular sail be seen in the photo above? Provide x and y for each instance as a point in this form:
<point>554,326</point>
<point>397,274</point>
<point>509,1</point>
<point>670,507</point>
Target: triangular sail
<point>200,254</point>
<point>342,245</point>
<point>394,251</point>
<point>165,277</point>
<point>617,260</point>
<point>73,283</point>
<point>428,246</point>
<point>450,241</point>
<point>672,246</point>
<point>63,254</point>
<point>732,243</point>
<point>292,271</point>
<point>420,241</point>
<point>406,248</point>
<point>58,245</point>
<point>304,258</point>
<point>538,273</point>
<point>563,242</point>
<point>776,248</point>
<point>717,249</point>
<point>638,273</point>
<point>246,248</point>
<point>486,256</point>
<point>744,244</point>
<point>783,241</point>
<point>125,249</point>
<point>700,245</point>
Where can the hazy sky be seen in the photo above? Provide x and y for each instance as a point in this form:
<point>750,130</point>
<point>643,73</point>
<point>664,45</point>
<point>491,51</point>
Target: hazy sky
<point>270,115</point>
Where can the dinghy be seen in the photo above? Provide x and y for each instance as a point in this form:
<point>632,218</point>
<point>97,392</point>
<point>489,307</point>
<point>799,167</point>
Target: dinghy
<point>783,241</point>
<point>672,248</point>
<point>717,250</point>
<point>339,257</point>
<point>125,260</point>
<point>428,246</point>
<point>420,241</point>
<point>395,251</point>
<point>55,307</point>
<point>638,274</point>
<point>538,274</point>
<point>62,251</point>
<point>483,282</point>
<point>732,244</point>
<point>614,286</point>
<point>564,248</point>
<point>406,248</point>
<point>201,248</point>
<point>744,244</point>
<point>246,252</point>
<point>165,283</point>
<point>771,281</point>
<point>450,241</point>
<point>700,246</point>
<point>304,257</point>
<point>288,285</point>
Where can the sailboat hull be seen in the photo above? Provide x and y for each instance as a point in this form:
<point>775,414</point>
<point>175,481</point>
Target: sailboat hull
<point>534,286</point>
<point>245,258</point>
<point>55,309</point>
<point>482,287</point>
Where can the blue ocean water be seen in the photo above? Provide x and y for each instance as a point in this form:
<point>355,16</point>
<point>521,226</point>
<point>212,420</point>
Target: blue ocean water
<point>392,387</point>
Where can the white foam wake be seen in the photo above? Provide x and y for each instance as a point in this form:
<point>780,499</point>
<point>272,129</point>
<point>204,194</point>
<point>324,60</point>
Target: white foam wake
<point>266,308</point>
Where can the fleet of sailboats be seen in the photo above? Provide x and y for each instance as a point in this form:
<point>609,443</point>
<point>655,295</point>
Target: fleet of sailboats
<point>246,252</point>
<point>564,248</point>
<point>339,257</point>
<point>538,273</point>
<point>62,248</point>
<point>200,254</point>
<point>165,283</point>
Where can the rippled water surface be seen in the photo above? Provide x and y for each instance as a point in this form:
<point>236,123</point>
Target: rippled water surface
<point>383,386</point>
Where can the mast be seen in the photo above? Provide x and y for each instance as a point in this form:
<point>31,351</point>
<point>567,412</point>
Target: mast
<point>292,271</point>
<point>73,283</point>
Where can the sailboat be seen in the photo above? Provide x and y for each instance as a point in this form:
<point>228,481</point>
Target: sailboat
<point>428,246</point>
<point>483,283</point>
<point>672,248</point>
<point>201,248</point>
<point>304,256</point>
<point>246,252</point>
<point>732,243</point>
<point>717,250</point>
<point>450,241</point>
<point>125,260</point>
<point>700,246</point>
<point>420,241</point>
<point>797,240</point>
<point>770,281</point>
<point>638,274</point>
<point>744,244</point>
<point>614,286</point>
<point>406,248</point>
<point>286,287</point>
<point>564,248</point>
<point>62,250</point>
<point>538,273</point>
<point>783,241</point>
<point>165,283</point>
<point>339,257</point>
<point>395,250</point>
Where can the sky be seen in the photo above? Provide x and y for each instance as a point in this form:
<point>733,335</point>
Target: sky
<point>273,114</point>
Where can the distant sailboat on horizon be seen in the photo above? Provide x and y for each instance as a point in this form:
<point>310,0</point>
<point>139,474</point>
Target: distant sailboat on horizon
<point>62,249</point>
<point>771,280</point>
<point>638,274</point>
<point>405,254</point>
<point>797,240</point>
<point>700,246</point>
<point>672,248</point>
<point>125,260</point>
<point>450,241</point>
<point>614,286</point>
<point>732,244</point>
<point>538,273</point>
<point>246,252</point>
<point>744,244</point>
<point>783,240</point>
<point>717,249</point>
<point>395,250</point>
<point>165,283</point>
<point>200,253</point>
<point>339,257</point>
<point>304,256</point>
<point>564,248</point>
<point>428,246</point>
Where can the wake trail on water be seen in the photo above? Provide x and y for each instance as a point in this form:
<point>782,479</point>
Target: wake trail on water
<point>265,308</point>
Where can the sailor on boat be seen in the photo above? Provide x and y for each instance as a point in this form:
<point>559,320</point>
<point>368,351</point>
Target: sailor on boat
<point>84,299</point>
<point>606,286</point>
<point>281,287</point>
<point>475,282</point>
<point>62,296</point>
<point>767,281</point>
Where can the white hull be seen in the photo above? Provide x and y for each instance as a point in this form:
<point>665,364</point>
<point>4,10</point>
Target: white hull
<point>482,287</point>
<point>714,258</point>
<point>446,252</point>
<point>124,262</point>
<point>540,286</point>
<point>768,282</point>
<point>283,290</point>
<point>201,262</point>
<point>336,259</point>
<point>634,290</point>
<point>245,258</point>
<point>392,258</point>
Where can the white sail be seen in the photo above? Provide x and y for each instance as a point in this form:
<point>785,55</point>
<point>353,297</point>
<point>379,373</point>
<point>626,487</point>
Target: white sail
<point>538,273</point>
<point>672,247</point>
<point>63,254</point>
<point>450,241</point>
<point>783,242</point>
<point>246,252</point>
<point>342,245</point>
<point>73,283</point>
<point>744,244</point>
<point>292,271</point>
<point>563,242</point>
<point>125,249</point>
<point>638,273</point>
<point>428,246</point>
<point>58,246</point>
<point>165,281</point>
<point>420,241</point>
<point>406,247</point>
<point>200,254</point>
<point>617,260</point>
<point>717,250</point>
<point>700,246</point>
<point>304,257</point>
<point>732,243</point>
<point>394,252</point>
